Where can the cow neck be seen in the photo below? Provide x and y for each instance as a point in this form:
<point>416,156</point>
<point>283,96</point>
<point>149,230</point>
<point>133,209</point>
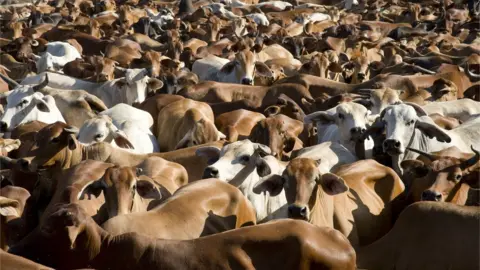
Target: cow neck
<point>321,208</point>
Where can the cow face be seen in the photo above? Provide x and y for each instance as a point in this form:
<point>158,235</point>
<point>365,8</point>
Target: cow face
<point>104,68</point>
<point>243,67</point>
<point>381,98</point>
<point>401,121</point>
<point>350,117</point>
<point>25,105</point>
<point>101,128</point>
<point>441,175</point>
<point>233,158</point>
<point>201,131</point>
<point>121,186</point>
<point>273,133</point>
<point>54,145</point>
<point>137,84</point>
<point>303,184</point>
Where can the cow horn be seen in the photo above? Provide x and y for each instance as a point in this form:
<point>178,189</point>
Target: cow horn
<point>71,129</point>
<point>41,85</point>
<point>471,74</point>
<point>471,161</point>
<point>425,154</point>
<point>11,83</point>
<point>423,70</point>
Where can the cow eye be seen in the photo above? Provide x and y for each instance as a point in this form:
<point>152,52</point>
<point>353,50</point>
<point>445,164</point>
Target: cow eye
<point>458,177</point>
<point>410,122</point>
<point>194,142</point>
<point>98,136</point>
<point>245,158</point>
<point>341,116</point>
<point>23,103</point>
<point>55,140</point>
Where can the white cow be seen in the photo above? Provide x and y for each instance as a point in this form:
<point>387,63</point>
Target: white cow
<point>345,124</point>
<point>409,126</point>
<point>240,70</point>
<point>131,89</point>
<point>240,164</point>
<point>23,107</point>
<point>57,54</point>
<point>123,126</point>
<point>259,18</point>
<point>461,109</point>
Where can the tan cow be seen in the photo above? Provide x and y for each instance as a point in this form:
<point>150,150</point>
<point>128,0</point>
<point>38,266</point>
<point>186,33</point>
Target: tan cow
<point>427,236</point>
<point>14,262</point>
<point>12,204</point>
<point>186,123</point>
<point>207,207</point>
<point>286,244</point>
<point>238,124</point>
<point>356,200</point>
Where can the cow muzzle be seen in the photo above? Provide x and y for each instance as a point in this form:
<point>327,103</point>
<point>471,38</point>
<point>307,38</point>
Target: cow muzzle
<point>357,133</point>
<point>298,212</point>
<point>210,172</point>
<point>392,147</point>
<point>247,81</point>
<point>430,195</point>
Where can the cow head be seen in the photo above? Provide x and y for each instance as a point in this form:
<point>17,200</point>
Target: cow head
<point>401,121</point>
<point>101,128</point>
<point>201,131</point>
<point>443,90</point>
<point>21,48</point>
<point>137,84</point>
<point>285,105</point>
<point>441,174</point>
<point>381,98</point>
<point>121,185</point>
<point>272,131</point>
<point>233,159</point>
<point>104,68</point>
<point>243,67</point>
<point>350,117</point>
<point>55,144</point>
<point>25,104</point>
<point>303,184</point>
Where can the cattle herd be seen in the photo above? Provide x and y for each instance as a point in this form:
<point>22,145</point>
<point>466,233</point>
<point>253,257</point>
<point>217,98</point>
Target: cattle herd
<point>221,134</point>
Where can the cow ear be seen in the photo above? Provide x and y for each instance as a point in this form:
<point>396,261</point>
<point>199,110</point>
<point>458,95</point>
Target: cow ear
<point>417,167</point>
<point>121,140</point>
<point>221,136</point>
<point>228,67</point>
<point>262,69</point>
<point>42,105</point>
<point>120,83</point>
<point>8,207</point>
<point>323,117</point>
<point>272,110</point>
<point>154,84</point>
<point>335,67</point>
<point>432,131</point>
<point>263,169</point>
<point>94,188</point>
<point>273,185</point>
<point>332,184</point>
<point>147,189</point>
<point>208,152</point>
<point>289,144</point>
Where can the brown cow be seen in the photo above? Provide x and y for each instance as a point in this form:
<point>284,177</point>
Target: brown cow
<point>298,245</point>
<point>185,123</point>
<point>14,262</point>
<point>208,207</point>
<point>427,236</point>
<point>238,124</point>
<point>352,201</point>
<point>436,175</point>
<point>12,204</point>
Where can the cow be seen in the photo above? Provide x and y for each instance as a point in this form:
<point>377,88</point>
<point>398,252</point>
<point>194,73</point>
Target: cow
<point>185,123</point>
<point>195,221</point>
<point>241,70</point>
<point>413,240</point>
<point>133,88</point>
<point>323,198</point>
<point>461,109</point>
<point>345,123</point>
<point>56,55</point>
<point>441,174</point>
<point>237,125</point>
<point>12,205</point>
<point>123,126</point>
<point>314,246</point>
<point>409,126</point>
<point>11,261</point>
<point>23,108</point>
<point>8,145</point>
<point>239,164</point>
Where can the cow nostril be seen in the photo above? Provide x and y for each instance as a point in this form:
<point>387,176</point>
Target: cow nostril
<point>361,76</point>
<point>363,130</point>
<point>397,144</point>
<point>438,197</point>
<point>3,126</point>
<point>303,212</point>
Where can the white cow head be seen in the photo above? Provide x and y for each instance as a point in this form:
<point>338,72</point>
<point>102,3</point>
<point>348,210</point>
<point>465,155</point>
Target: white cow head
<point>46,62</point>
<point>25,104</point>
<point>350,117</point>
<point>233,158</point>
<point>101,129</point>
<point>401,121</point>
<point>137,84</point>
